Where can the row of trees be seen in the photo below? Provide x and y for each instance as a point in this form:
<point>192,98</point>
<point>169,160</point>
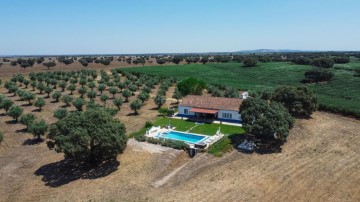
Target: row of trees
<point>320,59</point>
<point>37,127</point>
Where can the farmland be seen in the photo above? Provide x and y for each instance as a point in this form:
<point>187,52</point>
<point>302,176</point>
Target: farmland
<point>342,92</point>
<point>33,172</point>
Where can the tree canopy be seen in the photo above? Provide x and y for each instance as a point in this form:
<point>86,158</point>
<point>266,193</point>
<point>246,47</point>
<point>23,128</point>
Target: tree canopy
<point>78,137</point>
<point>250,62</point>
<point>318,75</point>
<point>300,101</point>
<point>191,86</point>
<point>264,120</point>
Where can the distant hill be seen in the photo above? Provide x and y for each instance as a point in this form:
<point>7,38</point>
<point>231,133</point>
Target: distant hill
<point>273,51</point>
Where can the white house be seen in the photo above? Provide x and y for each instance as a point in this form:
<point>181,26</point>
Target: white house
<point>216,108</point>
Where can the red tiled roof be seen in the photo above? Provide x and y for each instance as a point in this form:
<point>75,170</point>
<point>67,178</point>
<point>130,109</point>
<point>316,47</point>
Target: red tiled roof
<point>204,102</point>
<point>206,111</point>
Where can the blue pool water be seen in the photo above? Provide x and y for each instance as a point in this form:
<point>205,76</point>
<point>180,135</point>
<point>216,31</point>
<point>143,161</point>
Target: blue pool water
<point>186,137</point>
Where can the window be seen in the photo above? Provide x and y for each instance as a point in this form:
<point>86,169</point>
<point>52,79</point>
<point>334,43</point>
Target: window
<point>186,111</point>
<point>227,115</point>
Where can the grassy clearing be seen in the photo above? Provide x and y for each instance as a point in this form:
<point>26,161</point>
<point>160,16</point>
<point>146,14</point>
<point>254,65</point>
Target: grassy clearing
<point>343,92</point>
<point>180,125</point>
<point>210,129</point>
<point>220,147</point>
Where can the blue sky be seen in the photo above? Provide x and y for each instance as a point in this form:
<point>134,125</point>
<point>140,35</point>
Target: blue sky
<point>152,26</point>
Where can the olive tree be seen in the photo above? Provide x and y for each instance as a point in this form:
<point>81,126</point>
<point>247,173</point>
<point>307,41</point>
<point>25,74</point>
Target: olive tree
<point>41,87</point>
<point>117,102</point>
<point>113,91</point>
<point>27,119</point>
<point>67,99</point>
<point>135,106</point>
<point>6,104</point>
<point>63,85</point>
<point>15,112</point>
<point>159,100</point>
<point>177,95</point>
<point>79,103</point>
<point>56,96</point>
<point>126,94</point>
<point>101,88</point>
<point>82,91</point>
<point>71,88</point>
<point>39,103</point>
<point>91,94</point>
<point>38,128</point>
<point>104,98</point>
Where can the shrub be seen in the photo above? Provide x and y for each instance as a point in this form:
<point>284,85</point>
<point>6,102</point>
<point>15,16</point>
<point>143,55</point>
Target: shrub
<point>250,62</point>
<point>175,144</point>
<point>323,62</point>
<point>140,138</point>
<point>341,60</point>
<point>153,140</point>
<point>148,124</point>
<point>163,111</point>
<point>318,75</point>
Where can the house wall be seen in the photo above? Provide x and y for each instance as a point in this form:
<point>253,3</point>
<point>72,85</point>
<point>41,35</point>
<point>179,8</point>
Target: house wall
<point>182,108</point>
<point>235,115</point>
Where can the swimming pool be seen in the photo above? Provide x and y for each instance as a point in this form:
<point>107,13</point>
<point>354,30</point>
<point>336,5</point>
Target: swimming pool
<point>185,137</point>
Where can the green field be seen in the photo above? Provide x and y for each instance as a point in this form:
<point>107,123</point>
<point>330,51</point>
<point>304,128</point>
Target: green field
<point>342,92</point>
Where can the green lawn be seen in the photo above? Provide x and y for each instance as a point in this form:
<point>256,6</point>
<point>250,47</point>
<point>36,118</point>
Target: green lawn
<point>343,92</point>
<point>210,129</point>
<point>180,125</point>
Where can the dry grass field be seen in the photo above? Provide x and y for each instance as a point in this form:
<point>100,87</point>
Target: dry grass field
<point>320,162</point>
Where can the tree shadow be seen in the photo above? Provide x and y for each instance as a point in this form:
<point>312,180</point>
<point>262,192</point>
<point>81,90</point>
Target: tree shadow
<point>26,105</point>
<point>3,114</point>
<point>34,141</point>
<point>264,146</point>
<point>11,122</point>
<point>132,114</point>
<point>24,130</point>
<point>67,170</point>
<point>36,110</point>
